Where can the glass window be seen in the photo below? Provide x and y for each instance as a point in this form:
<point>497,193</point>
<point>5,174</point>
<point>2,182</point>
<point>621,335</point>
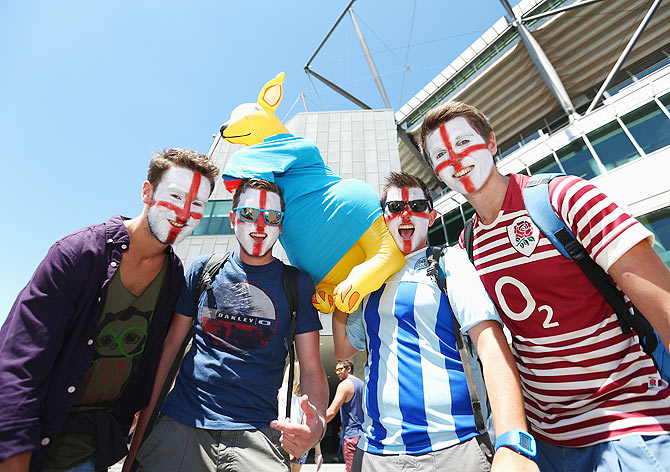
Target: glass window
<point>665,100</point>
<point>658,222</point>
<point>215,219</point>
<point>454,223</point>
<point>547,164</point>
<point>649,126</point>
<point>577,160</point>
<point>612,145</point>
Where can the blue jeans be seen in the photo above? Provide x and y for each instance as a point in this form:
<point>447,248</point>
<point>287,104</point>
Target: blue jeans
<point>88,466</point>
<point>630,453</point>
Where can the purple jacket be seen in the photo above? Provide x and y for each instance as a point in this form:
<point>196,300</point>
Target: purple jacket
<point>48,340</point>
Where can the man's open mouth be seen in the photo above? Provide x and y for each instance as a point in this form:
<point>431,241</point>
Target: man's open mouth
<point>258,236</point>
<point>406,231</point>
<point>463,172</point>
<point>177,224</point>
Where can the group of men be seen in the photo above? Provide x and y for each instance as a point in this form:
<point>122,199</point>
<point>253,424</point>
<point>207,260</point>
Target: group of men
<point>91,339</point>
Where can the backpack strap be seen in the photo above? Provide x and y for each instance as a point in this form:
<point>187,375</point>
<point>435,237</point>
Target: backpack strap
<point>290,276</point>
<point>538,204</point>
<point>435,271</point>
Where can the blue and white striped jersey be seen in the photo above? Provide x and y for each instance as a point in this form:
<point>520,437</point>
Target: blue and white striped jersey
<point>416,397</point>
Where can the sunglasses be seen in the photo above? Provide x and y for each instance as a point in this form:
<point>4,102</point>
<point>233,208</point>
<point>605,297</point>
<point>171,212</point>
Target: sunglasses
<point>249,215</point>
<point>339,369</point>
<point>398,206</point>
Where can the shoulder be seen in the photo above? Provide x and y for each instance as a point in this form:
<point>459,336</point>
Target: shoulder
<point>569,188</point>
<point>346,386</point>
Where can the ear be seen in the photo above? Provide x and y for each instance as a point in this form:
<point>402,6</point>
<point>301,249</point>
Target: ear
<point>147,193</point>
<point>492,144</point>
<point>432,216</point>
<point>271,93</point>
<point>231,217</point>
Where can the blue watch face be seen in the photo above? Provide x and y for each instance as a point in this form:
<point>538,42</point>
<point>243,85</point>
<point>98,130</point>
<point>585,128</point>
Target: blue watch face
<point>520,441</point>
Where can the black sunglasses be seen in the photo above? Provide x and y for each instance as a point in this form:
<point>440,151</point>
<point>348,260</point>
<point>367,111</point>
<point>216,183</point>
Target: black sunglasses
<point>397,206</point>
<point>249,215</point>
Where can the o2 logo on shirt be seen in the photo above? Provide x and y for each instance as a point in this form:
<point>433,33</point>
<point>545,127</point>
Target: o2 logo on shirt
<point>523,235</point>
<point>244,318</point>
<point>530,303</point>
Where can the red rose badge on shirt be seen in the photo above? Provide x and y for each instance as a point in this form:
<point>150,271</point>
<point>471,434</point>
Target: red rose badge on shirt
<point>523,235</point>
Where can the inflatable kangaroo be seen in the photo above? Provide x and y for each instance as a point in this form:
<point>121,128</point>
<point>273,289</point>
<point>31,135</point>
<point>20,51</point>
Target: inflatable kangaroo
<point>333,228</point>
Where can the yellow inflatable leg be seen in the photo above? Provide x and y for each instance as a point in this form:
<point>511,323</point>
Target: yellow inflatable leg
<point>363,269</point>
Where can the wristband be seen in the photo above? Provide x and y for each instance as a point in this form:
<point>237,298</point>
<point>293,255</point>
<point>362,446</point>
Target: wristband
<point>519,441</point>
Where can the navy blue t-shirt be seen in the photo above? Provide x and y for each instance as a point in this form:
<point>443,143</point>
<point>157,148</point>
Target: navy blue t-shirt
<point>230,376</point>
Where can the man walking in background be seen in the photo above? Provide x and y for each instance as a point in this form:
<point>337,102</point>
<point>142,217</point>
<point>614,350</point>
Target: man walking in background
<point>348,401</point>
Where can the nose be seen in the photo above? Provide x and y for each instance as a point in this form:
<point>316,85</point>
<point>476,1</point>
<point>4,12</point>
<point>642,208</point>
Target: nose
<point>406,210</point>
<point>223,128</point>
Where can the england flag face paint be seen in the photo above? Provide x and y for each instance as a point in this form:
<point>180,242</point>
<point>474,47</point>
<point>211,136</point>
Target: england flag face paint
<point>408,228</point>
<point>256,238</point>
<point>462,159</point>
<point>177,204</point>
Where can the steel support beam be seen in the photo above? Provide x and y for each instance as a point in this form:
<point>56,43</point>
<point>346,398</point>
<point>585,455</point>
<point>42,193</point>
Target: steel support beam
<point>542,63</point>
<point>338,89</point>
<point>558,10</point>
<point>329,33</point>
<point>624,54</point>
<point>368,57</point>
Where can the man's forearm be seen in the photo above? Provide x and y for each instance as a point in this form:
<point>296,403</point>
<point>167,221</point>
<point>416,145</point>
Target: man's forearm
<point>316,388</point>
<point>501,377</point>
<point>342,347</point>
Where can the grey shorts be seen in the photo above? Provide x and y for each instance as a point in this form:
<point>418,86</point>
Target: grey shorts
<point>474,455</point>
<point>173,446</point>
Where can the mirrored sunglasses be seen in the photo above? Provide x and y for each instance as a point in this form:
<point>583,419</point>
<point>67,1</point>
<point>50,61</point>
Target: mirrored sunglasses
<point>397,206</point>
<point>339,369</point>
<point>250,215</point>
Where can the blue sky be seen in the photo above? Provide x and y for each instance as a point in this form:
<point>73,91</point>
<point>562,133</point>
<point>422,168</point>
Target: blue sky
<point>88,90</point>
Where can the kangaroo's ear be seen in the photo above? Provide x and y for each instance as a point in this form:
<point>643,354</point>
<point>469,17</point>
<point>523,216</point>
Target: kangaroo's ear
<point>271,93</point>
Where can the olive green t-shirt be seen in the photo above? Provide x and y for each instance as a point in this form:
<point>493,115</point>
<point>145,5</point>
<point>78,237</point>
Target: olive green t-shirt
<point>122,335</point>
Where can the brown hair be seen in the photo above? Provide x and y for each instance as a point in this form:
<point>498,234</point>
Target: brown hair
<point>192,160</point>
<point>346,363</point>
<point>404,180</point>
<point>258,184</point>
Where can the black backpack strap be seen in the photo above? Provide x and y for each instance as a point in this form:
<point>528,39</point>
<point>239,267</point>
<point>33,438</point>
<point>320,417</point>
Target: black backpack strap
<point>435,272</point>
<point>290,276</point>
<point>209,271</point>
<point>468,237</point>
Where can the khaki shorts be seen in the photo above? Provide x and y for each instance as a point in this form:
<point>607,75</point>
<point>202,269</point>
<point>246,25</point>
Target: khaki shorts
<point>474,455</point>
<point>173,446</point>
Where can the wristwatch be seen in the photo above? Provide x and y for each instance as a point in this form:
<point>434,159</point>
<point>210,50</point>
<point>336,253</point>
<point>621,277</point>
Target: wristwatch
<point>520,441</point>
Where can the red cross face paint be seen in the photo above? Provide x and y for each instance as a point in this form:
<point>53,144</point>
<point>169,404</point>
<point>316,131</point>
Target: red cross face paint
<point>178,202</point>
<point>460,156</point>
<point>257,238</point>
<point>408,228</point>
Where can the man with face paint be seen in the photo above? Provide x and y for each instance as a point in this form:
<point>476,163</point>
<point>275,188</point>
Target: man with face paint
<point>594,399</point>
<point>418,410</point>
<point>222,411</point>
<point>80,347</point>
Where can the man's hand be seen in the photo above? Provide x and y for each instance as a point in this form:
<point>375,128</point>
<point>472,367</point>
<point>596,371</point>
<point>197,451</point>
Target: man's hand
<point>298,438</point>
<point>506,459</point>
